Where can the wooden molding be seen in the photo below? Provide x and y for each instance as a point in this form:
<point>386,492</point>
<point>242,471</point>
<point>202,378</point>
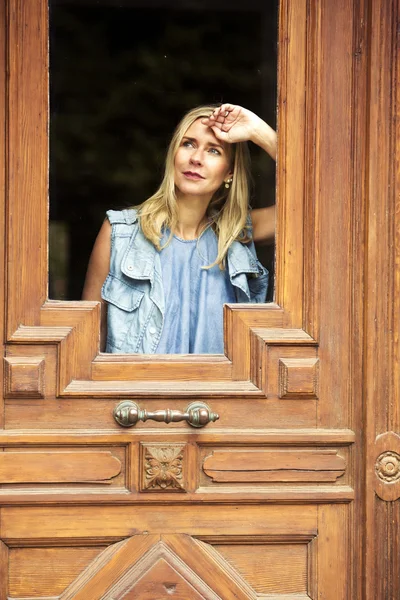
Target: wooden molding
<point>74,326</point>
<point>256,465</point>
<point>58,467</point>
<point>24,377</point>
<point>298,378</point>
<point>381,372</point>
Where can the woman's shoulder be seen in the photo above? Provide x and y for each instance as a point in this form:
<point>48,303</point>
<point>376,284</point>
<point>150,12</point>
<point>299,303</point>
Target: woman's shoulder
<point>127,216</point>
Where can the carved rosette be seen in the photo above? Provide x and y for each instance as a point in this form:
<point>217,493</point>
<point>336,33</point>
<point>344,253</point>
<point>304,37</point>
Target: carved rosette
<point>163,468</point>
<point>387,467</point>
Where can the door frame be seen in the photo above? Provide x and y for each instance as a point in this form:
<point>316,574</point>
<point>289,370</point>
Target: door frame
<point>337,189</point>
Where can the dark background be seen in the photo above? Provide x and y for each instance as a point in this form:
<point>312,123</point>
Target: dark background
<point>122,75</point>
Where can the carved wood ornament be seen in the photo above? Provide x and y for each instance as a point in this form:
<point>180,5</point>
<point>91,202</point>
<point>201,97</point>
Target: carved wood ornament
<point>163,468</point>
<point>387,466</point>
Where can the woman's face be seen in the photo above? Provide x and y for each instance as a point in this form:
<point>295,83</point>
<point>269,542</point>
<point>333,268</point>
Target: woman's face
<point>202,162</point>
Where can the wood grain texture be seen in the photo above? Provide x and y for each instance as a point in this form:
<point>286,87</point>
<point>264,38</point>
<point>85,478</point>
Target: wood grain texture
<point>111,564</point>
<point>37,352</point>
<point>64,523</point>
<point>333,189</point>
<point>269,568</point>
<point>333,529</point>
<point>326,189</point>
<point>279,465</point>
<point>251,437</point>
<point>4,568</point>
<point>160,574</point>
<point>200,388</point>
<point>171,368</point>
<point>27,173</point>
<point>158,566</point>
<point>292,94</point>
<point>382,308</point>
<point>97,414</point>
<point>38,572</point>
<point>24,377</point>
<point>298,378</point>
<point>363,25</point>
<point>311,493</point>
<point>208,564</point>
<point>75,357</point>
<point>58,467</point>
<point>161,580</point>
<point>3,183</point>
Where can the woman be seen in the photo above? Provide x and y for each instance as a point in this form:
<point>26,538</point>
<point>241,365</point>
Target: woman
<point>164,269</point>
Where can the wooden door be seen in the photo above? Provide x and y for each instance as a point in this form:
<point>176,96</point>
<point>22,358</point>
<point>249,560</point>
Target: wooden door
<point>288,494</point>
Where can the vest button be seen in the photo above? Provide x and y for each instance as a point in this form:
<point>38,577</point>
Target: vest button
<point>152,330</point>
<point>129,267</point>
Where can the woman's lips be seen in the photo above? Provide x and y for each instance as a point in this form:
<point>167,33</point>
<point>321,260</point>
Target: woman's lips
<point>193,175</point>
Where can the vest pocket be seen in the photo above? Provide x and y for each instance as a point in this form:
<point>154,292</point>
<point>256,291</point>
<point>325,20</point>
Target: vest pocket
<point>124,321</point>
<point>121,294</point>
<point>258,285</point>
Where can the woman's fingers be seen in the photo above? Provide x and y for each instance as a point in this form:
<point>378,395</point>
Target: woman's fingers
<point>223,119</point>
<point>222,113</point>
<point>214,122</point>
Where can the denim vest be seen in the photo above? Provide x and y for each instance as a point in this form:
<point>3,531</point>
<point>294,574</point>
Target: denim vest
<point>134,289</point>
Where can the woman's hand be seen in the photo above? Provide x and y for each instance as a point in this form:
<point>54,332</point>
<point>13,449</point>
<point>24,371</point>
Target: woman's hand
<point>231,124</point>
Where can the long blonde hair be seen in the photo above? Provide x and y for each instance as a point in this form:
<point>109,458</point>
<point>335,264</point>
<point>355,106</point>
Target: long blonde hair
<point>228,208</point>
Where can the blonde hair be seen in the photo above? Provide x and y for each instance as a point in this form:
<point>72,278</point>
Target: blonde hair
<point>228,208</point>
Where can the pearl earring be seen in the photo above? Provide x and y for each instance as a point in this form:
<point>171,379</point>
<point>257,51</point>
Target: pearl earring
<point>228,183</point>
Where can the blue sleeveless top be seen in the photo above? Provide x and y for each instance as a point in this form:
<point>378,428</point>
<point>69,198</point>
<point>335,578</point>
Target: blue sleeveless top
<point>194,297</point>
<point>137,302</point>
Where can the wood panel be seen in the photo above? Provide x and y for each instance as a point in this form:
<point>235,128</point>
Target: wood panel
<point>77,323</point>
<point>4,569</point>
<point>97,414</point>
<point>38,572</point>
<point>290,387</point>
<point>279,465</point>
<point>27,173</point>
<point>269,568</point>
<point>67,523</point>
<point>382,308</point>
<point>3,180</point>
<point>58,467</point>
<point>159,565</point>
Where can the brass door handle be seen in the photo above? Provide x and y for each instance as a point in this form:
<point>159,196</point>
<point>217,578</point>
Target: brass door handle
<point>197,414</point>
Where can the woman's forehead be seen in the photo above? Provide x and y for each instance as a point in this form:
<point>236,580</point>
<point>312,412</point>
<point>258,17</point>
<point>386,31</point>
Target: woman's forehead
<point>202,132</point>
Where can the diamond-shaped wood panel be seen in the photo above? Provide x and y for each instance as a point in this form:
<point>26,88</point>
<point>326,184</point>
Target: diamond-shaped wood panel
<point>159,566</point>
<point>163,581</point>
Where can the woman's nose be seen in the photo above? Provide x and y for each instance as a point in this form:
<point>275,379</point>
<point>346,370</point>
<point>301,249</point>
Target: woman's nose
<point>195,157</point>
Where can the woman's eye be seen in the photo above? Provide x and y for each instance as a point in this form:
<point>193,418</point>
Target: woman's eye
<point>187,144</point>
<point>215,151</point>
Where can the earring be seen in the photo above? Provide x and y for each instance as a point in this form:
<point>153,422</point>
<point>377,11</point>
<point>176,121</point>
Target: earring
<point>228,183</point>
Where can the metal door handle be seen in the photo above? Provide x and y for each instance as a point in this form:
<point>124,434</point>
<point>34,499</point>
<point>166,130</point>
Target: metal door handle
<point>197,414</point>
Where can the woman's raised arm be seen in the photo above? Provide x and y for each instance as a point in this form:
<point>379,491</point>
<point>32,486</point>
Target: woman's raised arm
<point>97,271</point>
<point>231,123</point>
<point>263,221</point>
